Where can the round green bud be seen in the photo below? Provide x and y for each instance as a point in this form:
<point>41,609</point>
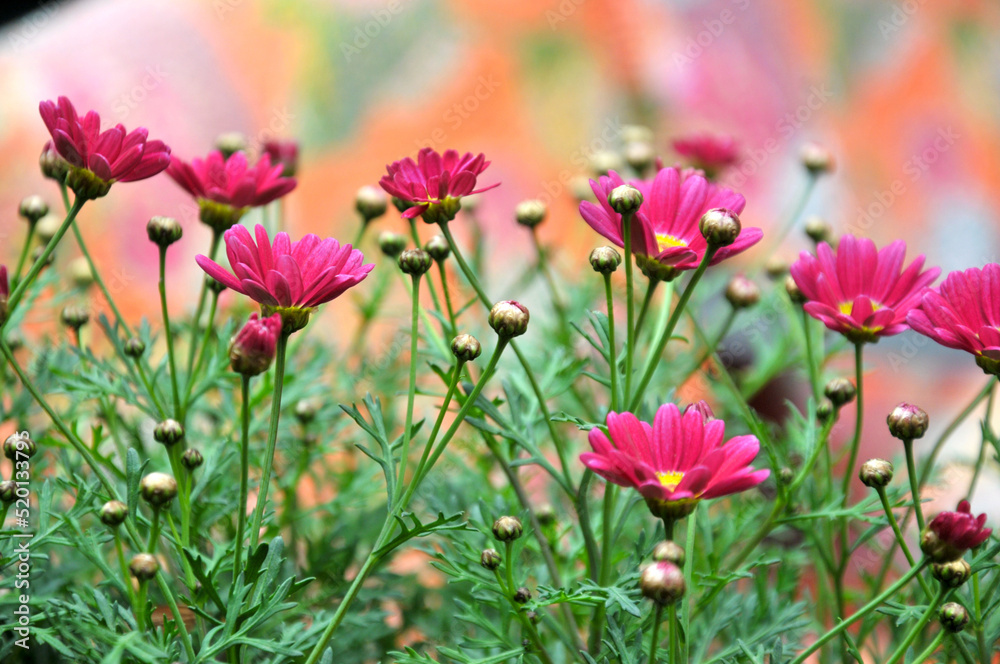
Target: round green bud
<point>953,616</point>
<point>530,213</point>
<point>230,143</point>
<point>952,574</point>
<point>113,513</point>
<point>522,595</point>
<point>8,491</point>
<point>509,319</point>
<point>32,209</point>
<point>438,248</point>
<point>192,458</point>
<point>414,261</point>
<point>625,199</point>
<point>158,489</point>
<point>305,410</point>
<point>163,231</point>
<point>466,347</point>
<point>490,559</point>
<point>840,391</point>
<point>669,551</point>
<point>19,446</point>
<point>143,567</point>
<point>603,162</point>
<point>391,244</point>
<point>80,273</point>
<point>605,260</point>
<point>507,528</point>
<point>134,347</point>
<point>907,422</point>
<point>370,202</point>
<point>816,158</point>
<point>169,432</point>
<point>74,317</point>
<point>876,473</point>
<point>640,155</point>
<point>795,293</point>
<point>720,227</point>
<point>818,230</point>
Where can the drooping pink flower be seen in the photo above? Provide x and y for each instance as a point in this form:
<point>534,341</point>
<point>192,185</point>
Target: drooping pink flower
<point>950,534</point>
<point>290,278</point>
<point>860,291</point>
<point>253,347</point>
<point>665,229</point>
<point>285,153</point>
<point>435,183</point>
<point>226,188</point>
<point>708,152</point>
<point>97,159</point>
<point>678,461</point>
<point>964,313</point>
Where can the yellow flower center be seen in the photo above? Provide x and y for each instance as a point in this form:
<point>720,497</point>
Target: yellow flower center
<point>671,479</point>
<point>664,241</point>
<point>847,308</point>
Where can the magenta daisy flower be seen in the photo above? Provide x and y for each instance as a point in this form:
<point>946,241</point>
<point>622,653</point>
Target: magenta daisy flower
<point>860,291</point>
<point>950,534</point>
<point>675,463</point>
<point>964,313</point>
<point>435,184</point>
<point>226,188</point>
<point>97,159</point>
<point>290,278</point>
<point>665,234</point>
<point>707,152</point>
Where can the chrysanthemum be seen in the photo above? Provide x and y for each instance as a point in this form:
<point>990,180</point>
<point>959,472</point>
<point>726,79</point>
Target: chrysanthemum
<point>226,188</point>
<point>675,463</point>
<point>964,313</point>
<point>665,234</point>
<point>290,278</point>
<point>97,159</point>
<point>860,291</point>
<point>708,152</point>
<point>435,183</point>
<point>950,534</point>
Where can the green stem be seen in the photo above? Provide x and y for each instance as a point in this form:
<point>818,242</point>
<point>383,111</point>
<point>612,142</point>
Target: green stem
<point>25,249</point>
<point>447,297</point>
<point>272,439</point>
<point>241,517</point>
<point>711,348</point>
<point>430,284</point>
<point>856,440</point>
<point>213,249</point>
<point>126,577</point>
<point>810,361</point>
<point>925,656</point>
<point>977,607</point>
<point>911,471</point>
<point>655,636</point>
<point>899,535</point>
<point>629,304</point>
<point>583,514</point>
<point>168,334</point>
<point>613,349</point>
<point>654,358</point>
<point>411,391</point>
<point>98,280</point>
<point>646,301</point>
<point>154,532</point>
<point>206,337</point>
<point>796,212</point>
<point>860,613</point>
<point>900,651</point>
<point>674,642</point>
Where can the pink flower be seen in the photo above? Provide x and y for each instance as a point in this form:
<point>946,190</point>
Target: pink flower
<point>252,349</point>
<point>291,278</point>
<point>708,152</point>
<point>285,153</point>
<point>665,229</point>
<point>435,182</point>
<point>964,313</point>
<point>950,534</point>
<point>97,159</point>
<point>675,463</point>
<point>226,188</point>
<point>862,292</point>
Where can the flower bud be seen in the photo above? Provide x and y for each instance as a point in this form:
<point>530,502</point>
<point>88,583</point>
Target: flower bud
<point>634,133</point>
<point>80,273</point>
<point>19,446</point>
<point>230,143</point>
<point>490,559</point>
<point>702,408</point>
<point>32,209</point>
<point>305,410</point>
<point>134,347</point>
<point>75,317</point>
<point>522,595</point>
<point>530,213</point>
<point>953,574</point>
<point>158,489</point>
<point>214,285</point>
<point>795,293</point>
<point>400,204</point>
<point>466,347</point>
<point>252,349</point>
<point>669,551</point>
<point>113,513</point>
<point>776,267</point>
<point>53,166</point>
<point>533,617</point>
<point>720,227</point>
<point>391,244</point>
<point>786,475</point>
<point>604,161</point>
<point>605,260</point>
<point>907,422</point>
<point>953,616</point>
<point>370,202</point>
<point>507,528</point>
<point>414,262</point>
<point>818,229</point>
<point>662,582</point>
<point>625,199</point>
<point>742,292</point>
<point>876,473</point>
<point>285,153</point>
<point>168,432</point>
<point>8,491</point>
<point>192,459</point>
<point>824,410</point>
<point>47,227</point>
<point>36,256</point>
<point>163,231</point>
<point>640,155</point>
<point>950,534</point>
<point>438,248</point>
<point>143,567</point>
<point>509,319</point>
<point>840,391</point>
<point>15,340</point>
<point>816,158</point>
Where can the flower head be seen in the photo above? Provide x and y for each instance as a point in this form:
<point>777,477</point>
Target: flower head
<point>708,152</point>
<point>964,313</point>
<point>950,534</point>
<point>435,183</point>
<point>678,461</point>
<point>252,349</point>
<point>97,159</point>
<point>225,188</point>
<point>290,278</point>
<point>860,291</point>
<point>665,229</point>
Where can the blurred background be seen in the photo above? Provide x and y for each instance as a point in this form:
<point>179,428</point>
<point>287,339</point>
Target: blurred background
<point>905,94</point>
